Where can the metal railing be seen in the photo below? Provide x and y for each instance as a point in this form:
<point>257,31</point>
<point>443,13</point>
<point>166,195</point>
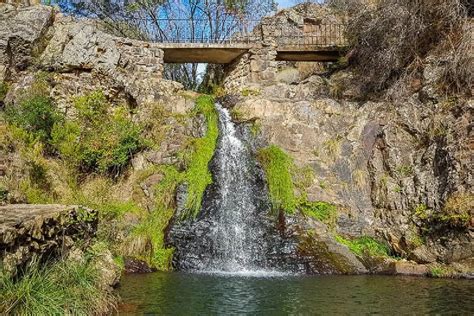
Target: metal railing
<point>249,32</point>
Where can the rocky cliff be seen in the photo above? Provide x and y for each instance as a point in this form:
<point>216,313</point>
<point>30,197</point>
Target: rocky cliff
<point>396,171</point>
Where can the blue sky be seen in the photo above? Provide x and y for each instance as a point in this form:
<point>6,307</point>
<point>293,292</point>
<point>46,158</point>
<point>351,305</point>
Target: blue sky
<point>285,3</point>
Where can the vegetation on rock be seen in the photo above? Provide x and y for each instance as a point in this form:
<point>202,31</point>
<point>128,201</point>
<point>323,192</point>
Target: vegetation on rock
<point>365,246</point>
<point>277,165</point>
<point>198,175</point>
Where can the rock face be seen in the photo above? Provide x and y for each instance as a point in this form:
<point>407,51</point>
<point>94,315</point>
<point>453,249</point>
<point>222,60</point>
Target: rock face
<point>31,232</point>
<point>82,56</point>
<point>379,161</point>
<point>21,34</point>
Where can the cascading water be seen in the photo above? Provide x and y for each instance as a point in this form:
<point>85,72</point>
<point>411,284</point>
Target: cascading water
<point>231,231</point>
<point>238,243</point>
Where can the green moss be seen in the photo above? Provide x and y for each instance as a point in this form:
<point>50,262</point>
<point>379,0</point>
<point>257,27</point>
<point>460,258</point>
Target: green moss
<point>404,171</point>
<point>198,175</point>
<point>365,246</point>
<point>250,92</point>
<point>322,211</point>
<point>277,165</point>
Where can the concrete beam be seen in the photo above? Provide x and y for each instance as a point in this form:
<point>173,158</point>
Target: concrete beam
<point>308,55</point>
<point>203,53</point>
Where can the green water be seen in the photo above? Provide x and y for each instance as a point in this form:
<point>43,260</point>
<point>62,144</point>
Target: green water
<point>199,294</point>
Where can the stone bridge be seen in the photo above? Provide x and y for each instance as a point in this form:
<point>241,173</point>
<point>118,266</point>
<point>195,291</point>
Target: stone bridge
<point>310,41</point>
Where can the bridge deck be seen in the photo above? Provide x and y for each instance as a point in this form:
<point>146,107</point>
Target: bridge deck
<point>225,53</point>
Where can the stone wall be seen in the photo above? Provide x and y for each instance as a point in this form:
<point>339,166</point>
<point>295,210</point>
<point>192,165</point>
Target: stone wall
<point>259,66</point>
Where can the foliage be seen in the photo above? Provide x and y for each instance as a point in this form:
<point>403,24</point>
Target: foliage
<point>441,271</point>
<point>197,175</point>
<point>458,210</point>
<point>277,165</point>
<point>456,213</point>
<point>102,139</point>
<point>35,113</point>
<point>332,147</point>
<point>365,246</point>
<point>64,287</point>
<point>404,171</point>
<point>3,194</point>
<point>250,92</point>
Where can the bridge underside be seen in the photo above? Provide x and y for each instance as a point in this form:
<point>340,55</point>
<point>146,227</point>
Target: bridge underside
<point>315,54</point>
<point>227,53</point>
<point>211,55</point>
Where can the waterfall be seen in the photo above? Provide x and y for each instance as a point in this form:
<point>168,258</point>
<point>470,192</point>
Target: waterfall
<point>231,232</point>
<point>238,243</point>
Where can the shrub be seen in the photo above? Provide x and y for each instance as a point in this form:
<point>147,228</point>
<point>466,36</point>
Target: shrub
<point>458,210</point>
<point>101,139</point>
<point>35,114</point>
<point>277,165</point>
<point>456,213</point>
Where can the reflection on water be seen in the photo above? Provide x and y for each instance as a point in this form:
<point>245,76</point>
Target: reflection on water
<point>204,294</point>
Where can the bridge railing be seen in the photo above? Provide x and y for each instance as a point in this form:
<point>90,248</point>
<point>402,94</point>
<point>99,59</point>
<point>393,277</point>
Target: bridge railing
<point>248,32</point>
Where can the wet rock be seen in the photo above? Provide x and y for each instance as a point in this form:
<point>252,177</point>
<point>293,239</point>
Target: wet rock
<point>133,265</point>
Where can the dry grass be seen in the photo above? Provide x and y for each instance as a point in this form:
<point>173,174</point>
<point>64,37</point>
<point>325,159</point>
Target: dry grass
<point>391,38</point>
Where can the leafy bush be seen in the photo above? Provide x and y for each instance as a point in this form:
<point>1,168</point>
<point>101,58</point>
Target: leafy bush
<point>101,139</point>
<point>35,114</point>
<point>277,165</point>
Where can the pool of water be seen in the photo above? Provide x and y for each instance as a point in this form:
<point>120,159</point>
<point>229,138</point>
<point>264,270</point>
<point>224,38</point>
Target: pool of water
<point>214,294</point>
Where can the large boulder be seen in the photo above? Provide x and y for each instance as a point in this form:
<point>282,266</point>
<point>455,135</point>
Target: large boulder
<point>30,231</point>
<point>22,31</point>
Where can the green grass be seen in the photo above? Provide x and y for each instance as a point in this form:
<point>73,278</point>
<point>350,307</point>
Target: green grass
<point>64,287</point>
<point>277,165</point>
<point>197,175</point>
<point>365,246</point>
